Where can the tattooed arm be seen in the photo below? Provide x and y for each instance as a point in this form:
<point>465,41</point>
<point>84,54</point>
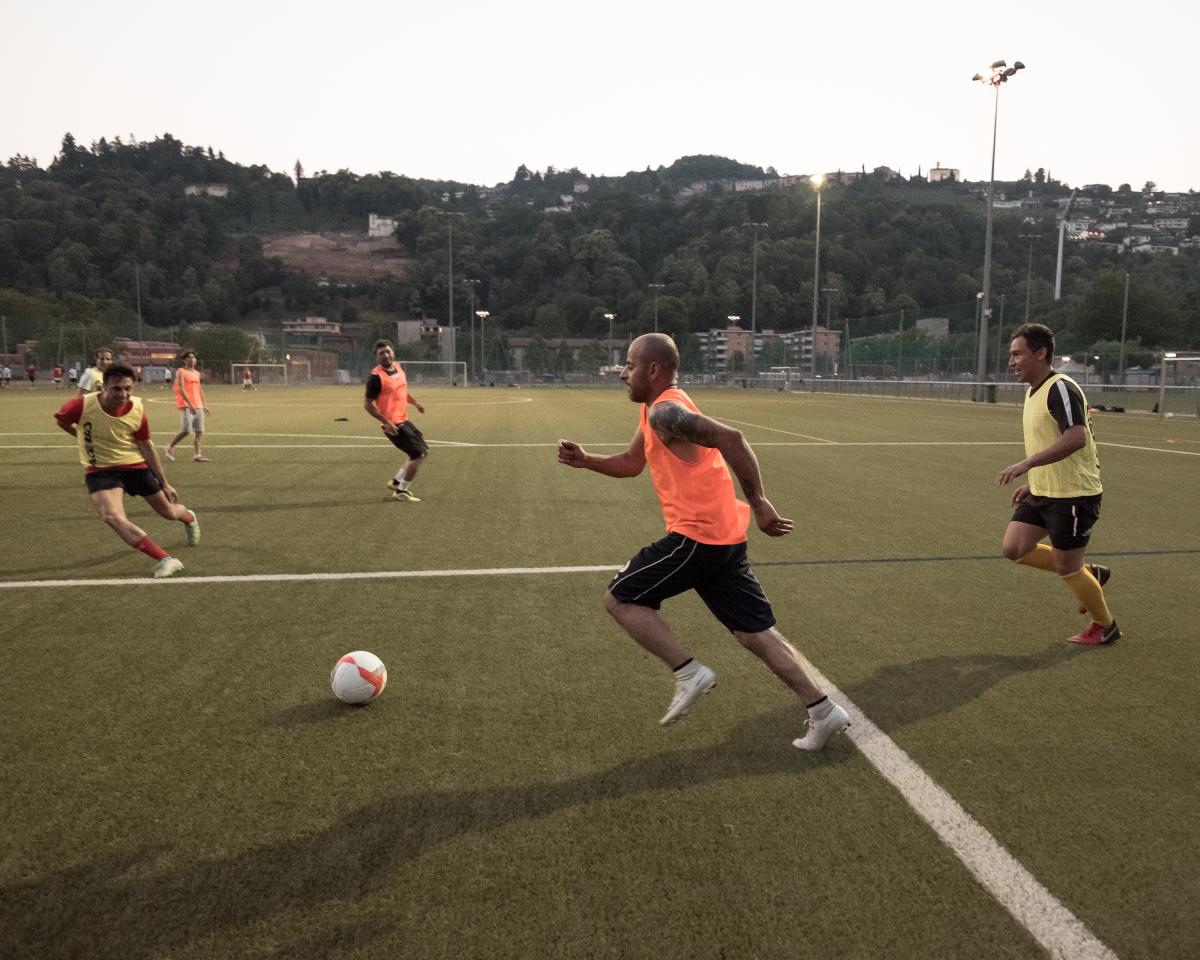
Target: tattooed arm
<point>674,422</point>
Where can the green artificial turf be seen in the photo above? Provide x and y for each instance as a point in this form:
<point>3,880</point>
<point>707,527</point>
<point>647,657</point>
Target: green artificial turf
<point>179,782</point>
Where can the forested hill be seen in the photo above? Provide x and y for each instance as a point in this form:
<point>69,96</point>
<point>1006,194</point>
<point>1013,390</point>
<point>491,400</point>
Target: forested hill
<point>553,251</point>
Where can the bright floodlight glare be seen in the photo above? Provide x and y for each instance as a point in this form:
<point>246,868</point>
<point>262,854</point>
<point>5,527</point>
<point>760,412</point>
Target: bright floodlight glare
<point>817,179</point>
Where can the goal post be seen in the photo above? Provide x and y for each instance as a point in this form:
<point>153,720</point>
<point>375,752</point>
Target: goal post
<point>1183,372</point>
<point>261,374</point>
<point>444,373</point>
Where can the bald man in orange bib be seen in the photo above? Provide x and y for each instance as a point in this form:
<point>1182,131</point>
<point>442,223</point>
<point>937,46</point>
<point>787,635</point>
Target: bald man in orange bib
<point>690,457</point>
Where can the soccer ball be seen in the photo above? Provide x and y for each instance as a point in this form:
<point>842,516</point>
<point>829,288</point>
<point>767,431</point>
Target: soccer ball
<point>358,677</point>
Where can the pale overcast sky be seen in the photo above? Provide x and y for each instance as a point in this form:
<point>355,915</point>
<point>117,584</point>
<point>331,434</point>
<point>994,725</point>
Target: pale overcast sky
<point>470,90</point>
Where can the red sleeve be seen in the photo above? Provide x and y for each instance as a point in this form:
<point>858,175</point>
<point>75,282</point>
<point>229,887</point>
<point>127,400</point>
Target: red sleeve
<point>70,412</point>
<point>143,431</point>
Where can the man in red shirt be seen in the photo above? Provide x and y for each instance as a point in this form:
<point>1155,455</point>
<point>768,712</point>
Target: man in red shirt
<point>387,400</point>
<point>118,459</point>
<point>31,373</point>
<point>690,457</point>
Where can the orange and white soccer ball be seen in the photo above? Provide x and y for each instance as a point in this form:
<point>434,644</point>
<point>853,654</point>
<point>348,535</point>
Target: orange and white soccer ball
<point>358,677</point>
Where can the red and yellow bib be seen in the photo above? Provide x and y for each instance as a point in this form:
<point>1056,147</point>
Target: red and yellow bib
<point>108,441</point>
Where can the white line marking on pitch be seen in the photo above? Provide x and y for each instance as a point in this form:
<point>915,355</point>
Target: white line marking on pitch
<point>806,436</point>
<point>289,577</point>
<point>1048,921</point>
<point>1055,927</point>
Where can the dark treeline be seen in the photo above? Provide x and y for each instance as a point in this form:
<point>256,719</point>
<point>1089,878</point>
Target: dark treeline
<point>83,237</point>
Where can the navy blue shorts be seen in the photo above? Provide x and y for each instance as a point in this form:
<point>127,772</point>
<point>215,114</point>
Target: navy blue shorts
<point>136,483</point>
<point>1068,520</point>
<point>720,574</point>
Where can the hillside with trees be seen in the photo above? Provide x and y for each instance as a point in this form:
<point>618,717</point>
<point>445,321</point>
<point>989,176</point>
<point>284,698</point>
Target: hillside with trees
<point>100,228</point>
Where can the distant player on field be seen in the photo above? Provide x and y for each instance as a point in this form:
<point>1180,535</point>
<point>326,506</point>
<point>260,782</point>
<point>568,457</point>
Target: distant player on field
<point>118,458</point>
<point>189,398</point>
<point>1062,497</point>
<point>387,400</point>
<point>690,456</point>
<point>92,379</point>
<point>247,379</point>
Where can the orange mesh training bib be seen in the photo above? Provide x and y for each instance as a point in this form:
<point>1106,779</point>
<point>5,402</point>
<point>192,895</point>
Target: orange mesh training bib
<point>697,498</point>
<point>392,401</point>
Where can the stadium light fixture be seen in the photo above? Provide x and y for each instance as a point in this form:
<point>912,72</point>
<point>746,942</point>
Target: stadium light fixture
<point>482,315</point>
<point>1000,72</point>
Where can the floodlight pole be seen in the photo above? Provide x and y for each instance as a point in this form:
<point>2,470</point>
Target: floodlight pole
<point>1000,74</point>
<point>754,293</point>
<point>472,285</point>
<point>817,181</point>
<point>1124,317</point>
<point>610,317</point>
<point>656,287</point>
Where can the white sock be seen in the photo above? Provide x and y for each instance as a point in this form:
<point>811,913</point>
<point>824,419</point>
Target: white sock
<point>821,710</point>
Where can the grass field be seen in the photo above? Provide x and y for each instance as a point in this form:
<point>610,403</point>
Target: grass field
<point>178,781</point>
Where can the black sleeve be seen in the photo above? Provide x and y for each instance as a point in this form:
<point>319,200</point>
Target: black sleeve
<point>1065,403</point>
<point>374,387</point>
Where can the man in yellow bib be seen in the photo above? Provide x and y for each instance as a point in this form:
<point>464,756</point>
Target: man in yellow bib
<point>118,459</point>
<point>690,457</point>
<point>1062,497</point>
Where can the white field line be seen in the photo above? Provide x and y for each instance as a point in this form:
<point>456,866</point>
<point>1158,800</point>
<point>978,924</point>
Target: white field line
<point>289,403</point>
<point>759,426</point>
<point>452,444</point>
<point>1060,932</point>
<point>308,577</point>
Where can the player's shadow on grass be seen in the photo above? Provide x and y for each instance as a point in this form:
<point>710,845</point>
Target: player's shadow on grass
<point>86,562</point>
<point>902,693</point>
<point>275,505</point>
<point>141,904</point>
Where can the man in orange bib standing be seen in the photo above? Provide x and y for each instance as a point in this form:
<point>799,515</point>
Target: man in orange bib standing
<point>189,398</point>
<point>118,458</point>
<point>690,457</point>
<point>387,400</point>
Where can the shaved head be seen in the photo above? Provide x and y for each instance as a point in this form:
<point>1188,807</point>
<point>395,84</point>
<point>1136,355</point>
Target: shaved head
<point>657,348</point>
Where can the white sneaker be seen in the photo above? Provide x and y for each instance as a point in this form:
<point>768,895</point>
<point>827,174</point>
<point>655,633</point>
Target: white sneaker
<point>167,567</point>
<point>687,691</point>
<point>819,731</point>
<point>192,530</point>
<point>169,453</point>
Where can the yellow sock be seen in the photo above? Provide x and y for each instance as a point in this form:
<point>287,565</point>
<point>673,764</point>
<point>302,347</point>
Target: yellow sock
<point>1041,557</point>
<point>1088,591</point>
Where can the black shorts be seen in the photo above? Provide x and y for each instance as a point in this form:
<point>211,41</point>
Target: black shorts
<point>1068,520</point>
<point>409,439</point>
<point>136,483</point>
<point>720,574</point>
